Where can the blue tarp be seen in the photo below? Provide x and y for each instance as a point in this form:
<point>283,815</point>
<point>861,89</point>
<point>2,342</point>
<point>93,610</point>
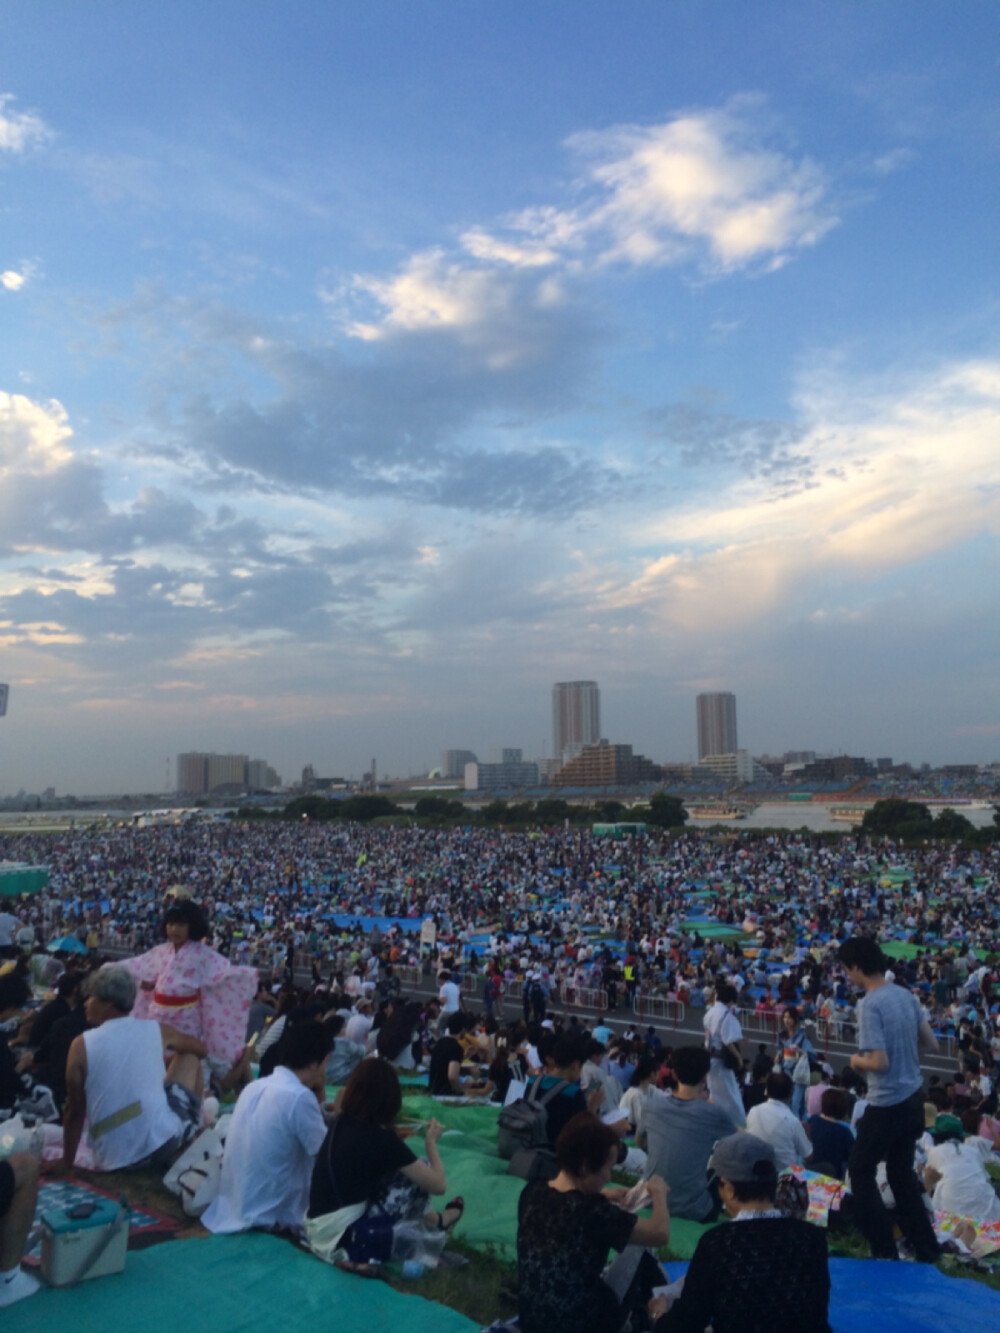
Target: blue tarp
<point>901,1298</point>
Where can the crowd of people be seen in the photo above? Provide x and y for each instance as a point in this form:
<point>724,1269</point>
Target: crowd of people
<point>218,923</point>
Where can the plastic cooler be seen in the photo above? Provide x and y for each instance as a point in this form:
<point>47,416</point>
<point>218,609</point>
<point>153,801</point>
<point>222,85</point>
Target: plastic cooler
<point>87,1240</point>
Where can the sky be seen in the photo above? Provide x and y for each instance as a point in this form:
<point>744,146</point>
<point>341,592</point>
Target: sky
<point>367,368</point>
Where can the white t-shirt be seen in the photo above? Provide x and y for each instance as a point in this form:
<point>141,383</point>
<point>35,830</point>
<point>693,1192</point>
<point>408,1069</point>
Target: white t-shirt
<point>277,1129</point>
<point>776,1124</point>
<point>722,1027</point>
<point>964,1186</point>
<point>450,997</point>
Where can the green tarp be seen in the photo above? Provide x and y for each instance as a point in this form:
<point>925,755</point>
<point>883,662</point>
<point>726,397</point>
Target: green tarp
<point>475,1170</point>
<point>230,1284</point>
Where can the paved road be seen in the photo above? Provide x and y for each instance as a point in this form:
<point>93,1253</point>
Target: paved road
<point>687,1031</point>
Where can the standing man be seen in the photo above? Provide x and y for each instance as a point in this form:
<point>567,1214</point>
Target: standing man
<point>723,1035</point>
<point>890,1030</point>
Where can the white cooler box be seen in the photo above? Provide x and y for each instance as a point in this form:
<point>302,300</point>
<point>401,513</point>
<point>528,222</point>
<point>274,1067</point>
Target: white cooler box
<point>87,1240</point>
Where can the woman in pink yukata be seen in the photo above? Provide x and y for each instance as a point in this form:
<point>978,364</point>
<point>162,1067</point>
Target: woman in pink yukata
<point>188,984</point>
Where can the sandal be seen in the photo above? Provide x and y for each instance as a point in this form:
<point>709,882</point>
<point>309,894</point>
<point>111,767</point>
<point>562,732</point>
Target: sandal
<point>456,1205</point>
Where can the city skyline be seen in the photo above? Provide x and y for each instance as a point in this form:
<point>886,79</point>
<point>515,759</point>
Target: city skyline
<point>364,370</point>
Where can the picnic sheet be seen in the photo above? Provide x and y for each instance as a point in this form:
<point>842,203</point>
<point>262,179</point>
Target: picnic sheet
<point>901,1298</point>
<point>474,1170</point>
<point>230,1284</point>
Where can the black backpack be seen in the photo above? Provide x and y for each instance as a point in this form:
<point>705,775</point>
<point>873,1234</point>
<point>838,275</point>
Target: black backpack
<point>523,1125</point>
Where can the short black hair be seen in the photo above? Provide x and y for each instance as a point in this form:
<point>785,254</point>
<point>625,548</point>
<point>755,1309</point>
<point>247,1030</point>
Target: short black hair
<point>862,952</point>
<point>14,991</point>
<point>691,1065</point>
<point>304,1044</point>
<point>746,1191</point>
<point>778,1086</point>
<point>584,1144</point>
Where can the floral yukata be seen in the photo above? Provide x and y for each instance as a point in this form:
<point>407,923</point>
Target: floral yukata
<point>197,991</point>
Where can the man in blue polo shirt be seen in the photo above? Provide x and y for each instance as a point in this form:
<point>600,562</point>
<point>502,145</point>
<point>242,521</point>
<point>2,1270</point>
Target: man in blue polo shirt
<point>891,1027</point>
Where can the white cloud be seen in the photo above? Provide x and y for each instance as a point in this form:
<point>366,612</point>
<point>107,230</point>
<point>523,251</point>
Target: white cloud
<point>706,187</point>
<point>12,279</point>
<point>909,474</point>
<point>32,435</point>
<point>20,130</point>
<point>706,179</point>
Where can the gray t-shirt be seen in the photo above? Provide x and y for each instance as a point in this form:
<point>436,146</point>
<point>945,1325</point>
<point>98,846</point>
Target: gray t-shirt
<point>888,1018</point>
<point>680,1136</point>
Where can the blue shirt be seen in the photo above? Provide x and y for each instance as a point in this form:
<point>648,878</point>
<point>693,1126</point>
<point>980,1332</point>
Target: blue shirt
<point>888,1018</point>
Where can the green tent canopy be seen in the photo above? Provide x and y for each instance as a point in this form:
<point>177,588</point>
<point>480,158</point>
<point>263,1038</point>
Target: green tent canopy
<point>16,879</point>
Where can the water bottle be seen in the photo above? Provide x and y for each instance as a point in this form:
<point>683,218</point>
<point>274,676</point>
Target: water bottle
<point>409,1269</point>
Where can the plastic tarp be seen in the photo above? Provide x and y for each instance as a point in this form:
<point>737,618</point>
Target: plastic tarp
<point>901,1298</point>
<point>475,1170</point>
<point>240,1284</point>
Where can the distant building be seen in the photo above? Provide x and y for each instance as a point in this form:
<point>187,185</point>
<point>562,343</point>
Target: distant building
<point>507,754</point>
<point>732,769</point>
<point>453,762</point>
<point>716,714</point>
<point>261,776</point>
<point>606,765</point>
<point>836,768</point>
<point>576,717</point>
<point>198,773</point>
<point>500,777</point>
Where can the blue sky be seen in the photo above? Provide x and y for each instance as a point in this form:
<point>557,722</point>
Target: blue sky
<point>364,369</point>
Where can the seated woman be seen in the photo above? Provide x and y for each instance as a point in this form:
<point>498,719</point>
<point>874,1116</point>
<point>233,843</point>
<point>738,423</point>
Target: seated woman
<point>369,1181</point>
<point>565,1228</point>
<point>766,1274</point>
<point>956,1171</point>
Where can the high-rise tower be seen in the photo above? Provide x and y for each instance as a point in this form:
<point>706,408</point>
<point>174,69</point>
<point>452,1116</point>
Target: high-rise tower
<point>716,724</point>
<point>576,717</point>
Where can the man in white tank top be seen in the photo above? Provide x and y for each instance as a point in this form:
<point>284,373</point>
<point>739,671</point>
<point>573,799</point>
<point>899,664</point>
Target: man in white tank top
<point>115,1082</point>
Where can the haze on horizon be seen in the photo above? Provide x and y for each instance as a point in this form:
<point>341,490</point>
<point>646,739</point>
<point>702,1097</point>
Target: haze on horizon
<point>366,369</point>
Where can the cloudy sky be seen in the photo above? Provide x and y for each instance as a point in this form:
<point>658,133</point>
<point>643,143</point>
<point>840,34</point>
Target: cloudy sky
<point>367,368</point>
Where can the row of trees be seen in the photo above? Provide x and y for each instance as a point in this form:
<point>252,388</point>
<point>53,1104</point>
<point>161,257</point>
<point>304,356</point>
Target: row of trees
<point>911,821</point>
<point>663,811</point>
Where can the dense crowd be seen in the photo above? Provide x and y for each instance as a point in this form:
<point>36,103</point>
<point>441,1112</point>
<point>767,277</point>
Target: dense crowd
<point>787,925</point>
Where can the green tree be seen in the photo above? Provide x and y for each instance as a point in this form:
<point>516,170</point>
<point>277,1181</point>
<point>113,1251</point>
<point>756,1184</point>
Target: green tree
<point>521,812</point>
<point>497,812</point>
<point>608,812</point>
<point>313,807</point>
<point>950,824</point>
<point>552,810</point>
<point>896,818</point>
<point>666,811</point>
<point>365,806</point>
<point>438,809</point>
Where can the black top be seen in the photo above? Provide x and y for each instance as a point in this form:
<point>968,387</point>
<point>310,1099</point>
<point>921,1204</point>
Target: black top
<point>48,1014</point>
<point>765,1275</point>
<point>563,1239</point>
<point>446,1050</point>
<point>11,1086</point>
<point>354,1161</point>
